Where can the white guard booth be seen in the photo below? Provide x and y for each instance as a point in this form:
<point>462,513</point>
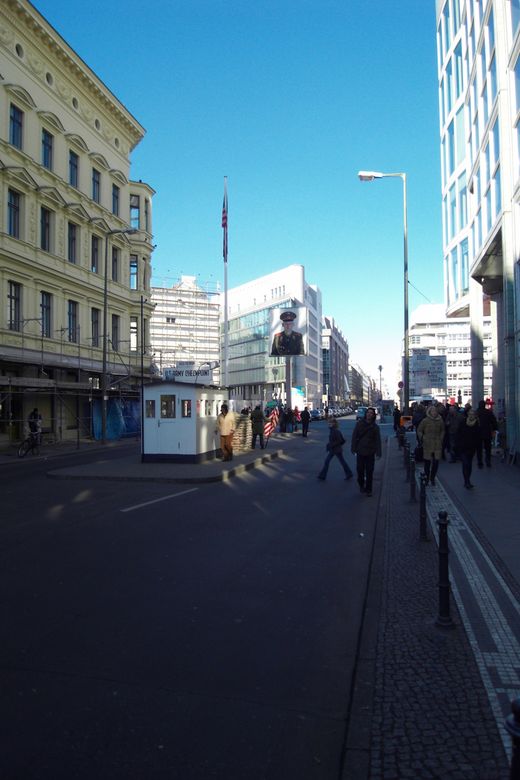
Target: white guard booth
<point>179,423</point>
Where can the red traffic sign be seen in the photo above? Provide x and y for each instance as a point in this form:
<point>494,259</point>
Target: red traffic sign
<point>400,384</point>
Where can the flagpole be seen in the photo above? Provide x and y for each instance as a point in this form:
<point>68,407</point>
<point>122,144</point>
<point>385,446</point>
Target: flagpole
<point>225,253</point>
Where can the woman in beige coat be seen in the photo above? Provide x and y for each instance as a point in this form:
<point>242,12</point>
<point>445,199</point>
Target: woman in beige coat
<point>430,433</point>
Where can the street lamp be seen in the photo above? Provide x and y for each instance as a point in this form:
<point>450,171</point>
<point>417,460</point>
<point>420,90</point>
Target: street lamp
<point>380,368</point>
<point>104,376</point>
<point>370,176</point>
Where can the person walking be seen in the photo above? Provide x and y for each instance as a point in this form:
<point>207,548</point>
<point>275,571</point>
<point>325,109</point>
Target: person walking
<point>397,419</point>
<point>226,428</point>
<point>454,419</point>
<point>488,425</point>
<point>257,425</point>
<point>366,444</point>
<point>335,448</point>
<point>306,418</point>
<point>468,437</point>
<point>430,433</point>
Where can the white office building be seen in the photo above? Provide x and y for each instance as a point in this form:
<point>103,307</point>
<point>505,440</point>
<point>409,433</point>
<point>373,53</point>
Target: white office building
<point>478,45</point>
<point>434,333</point>
<point>255,376</point>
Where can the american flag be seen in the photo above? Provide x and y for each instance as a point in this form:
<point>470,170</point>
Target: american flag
<point>272,422</point>
<point>224,221</point>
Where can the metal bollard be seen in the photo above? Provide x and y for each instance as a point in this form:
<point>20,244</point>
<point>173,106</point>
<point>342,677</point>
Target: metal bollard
<point>412,476</point>
<point>423,532</point>
<point>444,619</point>
<point>513,727</point>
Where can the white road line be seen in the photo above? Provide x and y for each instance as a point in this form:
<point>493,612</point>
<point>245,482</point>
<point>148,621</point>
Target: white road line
<point>156,500</point>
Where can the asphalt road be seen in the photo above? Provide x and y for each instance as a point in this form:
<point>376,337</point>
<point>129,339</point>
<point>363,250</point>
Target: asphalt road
<point>212,634</point>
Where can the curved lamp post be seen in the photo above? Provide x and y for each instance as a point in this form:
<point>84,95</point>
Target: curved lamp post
<point>370,176</point>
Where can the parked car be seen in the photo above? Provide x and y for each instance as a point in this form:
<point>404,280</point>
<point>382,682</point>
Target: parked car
<point>315,414</point>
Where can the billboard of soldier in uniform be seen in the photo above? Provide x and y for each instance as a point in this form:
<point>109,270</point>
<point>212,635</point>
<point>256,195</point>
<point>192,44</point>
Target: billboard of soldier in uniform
<point>288,330</point>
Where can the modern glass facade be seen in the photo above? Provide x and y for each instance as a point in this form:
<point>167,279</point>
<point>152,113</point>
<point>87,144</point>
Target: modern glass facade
<point>478,47</point>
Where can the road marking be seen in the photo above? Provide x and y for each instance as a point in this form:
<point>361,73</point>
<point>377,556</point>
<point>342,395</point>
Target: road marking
<point>490,621</point>
<point>156,500</point>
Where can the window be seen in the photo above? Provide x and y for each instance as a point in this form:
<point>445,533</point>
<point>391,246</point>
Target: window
<point>95,315</point>
<point>14,297</point>
<point>134,211</point>
<point>115,199</point>
<point>13,209</point>
<point>150,409</point>
<point>167,406</point>
<point>16,126</point>
<point>115,332</point>
<point>73,169</point>
<point>72,322</point>
<point>94,254</point>
<point>96,185</point>
<point>186,408</point>
<point>47,149</point>
<point>45,229</point>
<point>133,334</point>
<point>72,238</point>
<point>464,266</point>
<point>147,214</point>
<point>115,264</point>
<point>45,313</point>
<point>515,15</point>
<point>133,272</point>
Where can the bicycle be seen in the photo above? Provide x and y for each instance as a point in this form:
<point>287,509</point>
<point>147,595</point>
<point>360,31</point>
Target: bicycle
<point>30,444</point>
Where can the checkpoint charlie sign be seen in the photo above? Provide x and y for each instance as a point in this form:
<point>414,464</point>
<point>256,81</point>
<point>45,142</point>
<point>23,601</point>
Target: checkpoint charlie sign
<point>188,374</point>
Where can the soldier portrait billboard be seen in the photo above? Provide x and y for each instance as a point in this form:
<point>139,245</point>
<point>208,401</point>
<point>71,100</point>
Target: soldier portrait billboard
<point>288,331</point>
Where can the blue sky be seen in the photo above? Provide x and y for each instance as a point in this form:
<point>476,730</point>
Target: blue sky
<point>289,99</point>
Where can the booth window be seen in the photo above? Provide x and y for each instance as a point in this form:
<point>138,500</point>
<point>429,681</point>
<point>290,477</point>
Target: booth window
<point>186,408</point>
<point>150,408</point>
<point>167,406</point>
<point>208,409</point>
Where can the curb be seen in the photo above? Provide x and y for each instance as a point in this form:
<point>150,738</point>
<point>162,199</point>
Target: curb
<point>241,468</point>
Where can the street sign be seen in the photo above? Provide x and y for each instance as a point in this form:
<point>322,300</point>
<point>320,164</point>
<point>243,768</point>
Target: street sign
<point>400,384</point>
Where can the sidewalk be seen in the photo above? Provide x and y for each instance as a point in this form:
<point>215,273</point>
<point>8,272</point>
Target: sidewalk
<point>431,702</point>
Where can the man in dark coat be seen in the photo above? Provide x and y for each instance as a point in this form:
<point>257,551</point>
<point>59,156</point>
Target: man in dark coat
<point>305,418</point>
<point>257,424</point>
<point>488,425</point>
<point>366,444</point>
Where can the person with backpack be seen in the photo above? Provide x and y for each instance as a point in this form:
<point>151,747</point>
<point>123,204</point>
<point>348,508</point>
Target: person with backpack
<point>335,448</point>
<point>366,444</point>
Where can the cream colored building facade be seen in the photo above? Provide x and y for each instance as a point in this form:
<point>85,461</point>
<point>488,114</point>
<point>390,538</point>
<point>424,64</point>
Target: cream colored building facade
<point>66,203</point>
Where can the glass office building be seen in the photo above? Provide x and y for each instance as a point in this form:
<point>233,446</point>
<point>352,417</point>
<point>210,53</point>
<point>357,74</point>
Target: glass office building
<point>478,45</point>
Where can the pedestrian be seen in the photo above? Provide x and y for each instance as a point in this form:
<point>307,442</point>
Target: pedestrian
<point>397,419</point>
<point>226,428</point>
<point>453,421</point>
<point>488,425</point>
<point>34,422</point>
<point>335,448</point>
<point>305,418</point>
<point>468,437</point>
<point>257,425</point>
<point>289,419</point>
<point>430,433</point>
<point>366,444</point>
<point>418,414</point>
<point>297,418</point>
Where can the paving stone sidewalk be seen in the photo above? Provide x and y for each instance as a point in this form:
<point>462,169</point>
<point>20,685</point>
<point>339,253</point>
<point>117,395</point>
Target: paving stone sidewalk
<point>431,715</point>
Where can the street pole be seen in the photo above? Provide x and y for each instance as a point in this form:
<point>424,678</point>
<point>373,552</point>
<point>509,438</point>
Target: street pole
<point>371,176</point>
<point>104,375</point>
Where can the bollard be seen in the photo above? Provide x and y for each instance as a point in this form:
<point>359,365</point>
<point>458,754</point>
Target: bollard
<point>405,455</point>
<point>412,476</point>
<point>443,619</point>
<point>423,532</point>
<point>513,727</point>
<point>407,460</point>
